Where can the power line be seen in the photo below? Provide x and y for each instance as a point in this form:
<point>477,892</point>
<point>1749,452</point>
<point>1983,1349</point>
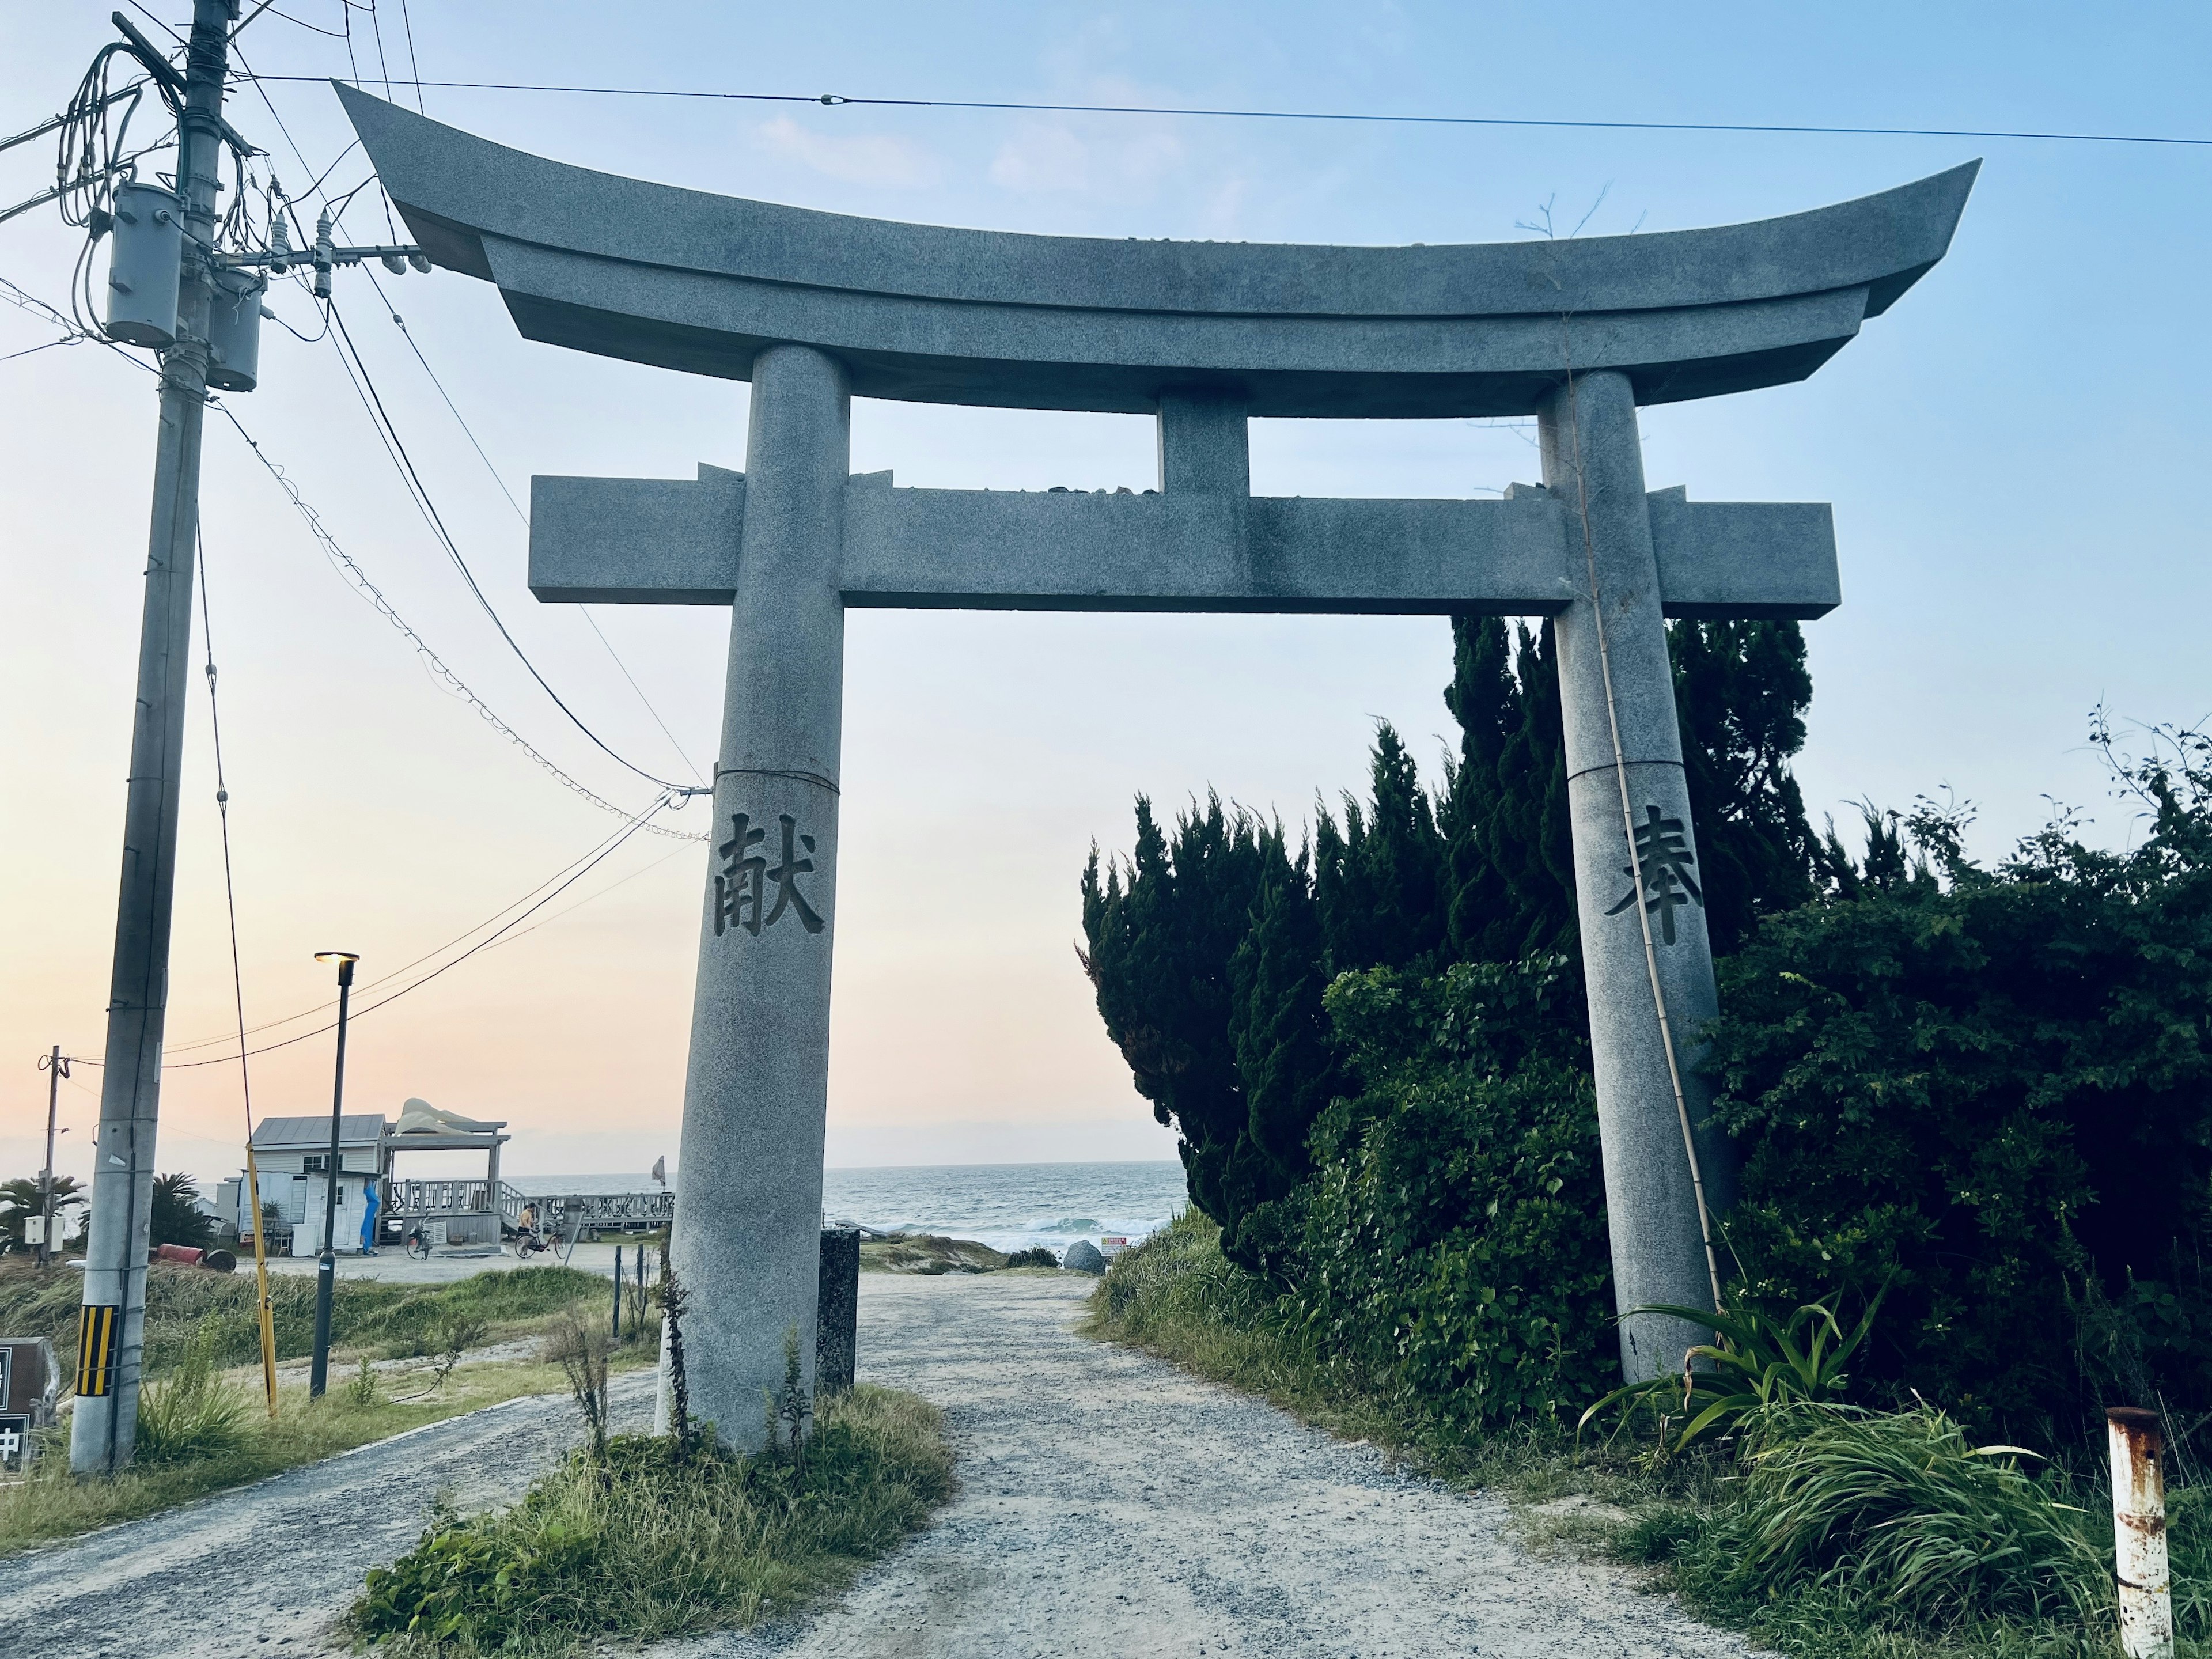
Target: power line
<point>405,968</point>
<point>636,825</point>
<point>838,100</point>
<point>372,401</point>
<point>348,567</point>
<point>468,432</point>
<point>359,578</point>
<point>365,389</point>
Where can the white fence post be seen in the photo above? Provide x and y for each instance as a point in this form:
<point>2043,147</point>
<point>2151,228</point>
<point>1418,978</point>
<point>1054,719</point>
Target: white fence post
<point>2139,1534</point>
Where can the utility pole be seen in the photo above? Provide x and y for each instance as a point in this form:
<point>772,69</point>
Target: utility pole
<point>55,1068</point>
<point>104,1426</point>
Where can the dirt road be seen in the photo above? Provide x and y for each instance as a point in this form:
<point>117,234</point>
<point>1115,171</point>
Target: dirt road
<point>1113,1505</point>
<point>1109,1504</point>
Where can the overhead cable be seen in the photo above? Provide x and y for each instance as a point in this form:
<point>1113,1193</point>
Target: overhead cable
<point>373,402</point>
<point>636,825</point>
<point>468,432</point>
<point>378,419</point>
<point>585,858</point>
<point>1379,117</point>
<point>435,664</point>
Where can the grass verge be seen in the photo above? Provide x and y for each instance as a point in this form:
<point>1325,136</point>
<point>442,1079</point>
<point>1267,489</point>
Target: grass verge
<point>1790,1548</point>
<point>200,1432</point>
<point>655,1541</point>
<point>184,1305</point>
<point>51,1504</point>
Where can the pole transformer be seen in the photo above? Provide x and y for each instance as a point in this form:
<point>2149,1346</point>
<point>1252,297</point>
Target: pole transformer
<point>104,1426</point>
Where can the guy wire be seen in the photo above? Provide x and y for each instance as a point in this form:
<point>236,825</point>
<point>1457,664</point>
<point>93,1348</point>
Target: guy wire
<point>238,995</point>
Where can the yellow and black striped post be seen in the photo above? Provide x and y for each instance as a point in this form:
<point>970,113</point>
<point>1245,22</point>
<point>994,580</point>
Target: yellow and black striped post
<point>96,1333</point>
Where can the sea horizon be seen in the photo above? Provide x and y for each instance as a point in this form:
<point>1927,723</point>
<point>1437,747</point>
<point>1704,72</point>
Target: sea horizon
<point>1008,1206</point>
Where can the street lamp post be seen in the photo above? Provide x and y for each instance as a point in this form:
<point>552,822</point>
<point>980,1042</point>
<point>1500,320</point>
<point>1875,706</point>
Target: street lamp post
<point>326,1267</point>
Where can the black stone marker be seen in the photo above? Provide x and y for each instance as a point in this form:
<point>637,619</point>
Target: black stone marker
<point>837,1308</point>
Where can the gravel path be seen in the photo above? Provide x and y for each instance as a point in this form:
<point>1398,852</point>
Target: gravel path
<point>264,1569</point>
<point>1109,1505</point>
<point>1112,1506</point>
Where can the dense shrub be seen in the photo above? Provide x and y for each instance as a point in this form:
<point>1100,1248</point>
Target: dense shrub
<point>1992,1090</point>
<point>1453,1240</point>
<point>1209,946</point>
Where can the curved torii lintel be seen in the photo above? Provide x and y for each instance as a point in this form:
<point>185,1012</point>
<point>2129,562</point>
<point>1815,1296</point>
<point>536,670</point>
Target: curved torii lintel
<point>687,280</point>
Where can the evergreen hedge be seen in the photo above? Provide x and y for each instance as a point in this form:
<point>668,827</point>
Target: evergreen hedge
<point>1989,1089</point>
<point>1453,1242</point>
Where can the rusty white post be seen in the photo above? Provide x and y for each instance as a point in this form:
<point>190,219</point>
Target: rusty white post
<point>2139,1534</point>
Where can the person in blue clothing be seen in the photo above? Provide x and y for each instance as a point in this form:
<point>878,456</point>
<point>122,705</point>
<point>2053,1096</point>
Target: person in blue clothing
<point>368,1218</point>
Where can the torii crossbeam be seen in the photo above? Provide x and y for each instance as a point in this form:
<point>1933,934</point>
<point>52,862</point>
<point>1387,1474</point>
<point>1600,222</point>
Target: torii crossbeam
<point>814,309</point>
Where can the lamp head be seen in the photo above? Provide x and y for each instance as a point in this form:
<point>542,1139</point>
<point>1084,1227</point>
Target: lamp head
<point>345,960</point>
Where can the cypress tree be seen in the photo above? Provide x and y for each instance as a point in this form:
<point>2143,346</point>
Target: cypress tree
<point>1381,883</point>
<point>1159,947</point>
<point>1278,1028</point>
<point>1209,949</point>
<point>1740,690</point>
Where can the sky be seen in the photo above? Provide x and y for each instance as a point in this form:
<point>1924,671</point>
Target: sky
<point>2014,454</point>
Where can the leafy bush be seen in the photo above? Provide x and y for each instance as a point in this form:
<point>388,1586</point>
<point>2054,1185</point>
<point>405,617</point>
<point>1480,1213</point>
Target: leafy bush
<point>1453,1241</point>
<point>1037,1255</point>
<point>1993,1087</point>
<point>1754,1363</point>
<point>641,1544</point>
<point>192,1413</point>
<point>1902,1509</point>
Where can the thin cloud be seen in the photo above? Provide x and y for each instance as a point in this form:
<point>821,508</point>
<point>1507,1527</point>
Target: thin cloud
<point>1046,157</point>
<point>866,158</point>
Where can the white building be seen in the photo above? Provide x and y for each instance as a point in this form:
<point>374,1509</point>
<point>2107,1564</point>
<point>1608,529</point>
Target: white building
<point>292,1156</point>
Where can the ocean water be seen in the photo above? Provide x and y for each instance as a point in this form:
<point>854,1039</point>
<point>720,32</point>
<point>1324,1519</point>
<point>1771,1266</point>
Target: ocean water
<point>1009,1206</point>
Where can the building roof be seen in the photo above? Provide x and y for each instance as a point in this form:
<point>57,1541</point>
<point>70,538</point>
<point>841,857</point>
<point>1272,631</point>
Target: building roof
<point>355,1129</point>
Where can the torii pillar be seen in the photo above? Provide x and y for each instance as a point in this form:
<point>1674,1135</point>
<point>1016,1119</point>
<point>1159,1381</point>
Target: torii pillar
<point>815,308</point>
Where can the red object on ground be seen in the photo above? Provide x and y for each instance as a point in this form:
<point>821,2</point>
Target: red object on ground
<point>184,1253</point>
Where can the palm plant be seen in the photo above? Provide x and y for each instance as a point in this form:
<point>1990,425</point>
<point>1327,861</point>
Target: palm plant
<point>1755,1361</point>
<point>177,1217</point>
<point>22,1199</point>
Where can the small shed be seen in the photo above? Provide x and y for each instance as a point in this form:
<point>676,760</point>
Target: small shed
<point>292,1155</point>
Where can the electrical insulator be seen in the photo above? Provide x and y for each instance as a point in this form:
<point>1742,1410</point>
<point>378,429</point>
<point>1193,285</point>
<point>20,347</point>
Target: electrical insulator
<point>421,261</point>
<point>395,264</point>
<point>280,245</point>
<point>141,266</point>
<point>325,257</point>
<point>234,331</point>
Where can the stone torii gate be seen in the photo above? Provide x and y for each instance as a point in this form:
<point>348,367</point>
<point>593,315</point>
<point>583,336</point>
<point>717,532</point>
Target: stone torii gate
<point>815,308</point>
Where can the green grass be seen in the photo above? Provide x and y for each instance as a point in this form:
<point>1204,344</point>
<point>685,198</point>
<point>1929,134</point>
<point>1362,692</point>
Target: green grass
<point>1824,1534</point>
<point>645,1547</point>
<point>185,1305</point>
<point>53,1505</point>
<point>201,1431</point>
